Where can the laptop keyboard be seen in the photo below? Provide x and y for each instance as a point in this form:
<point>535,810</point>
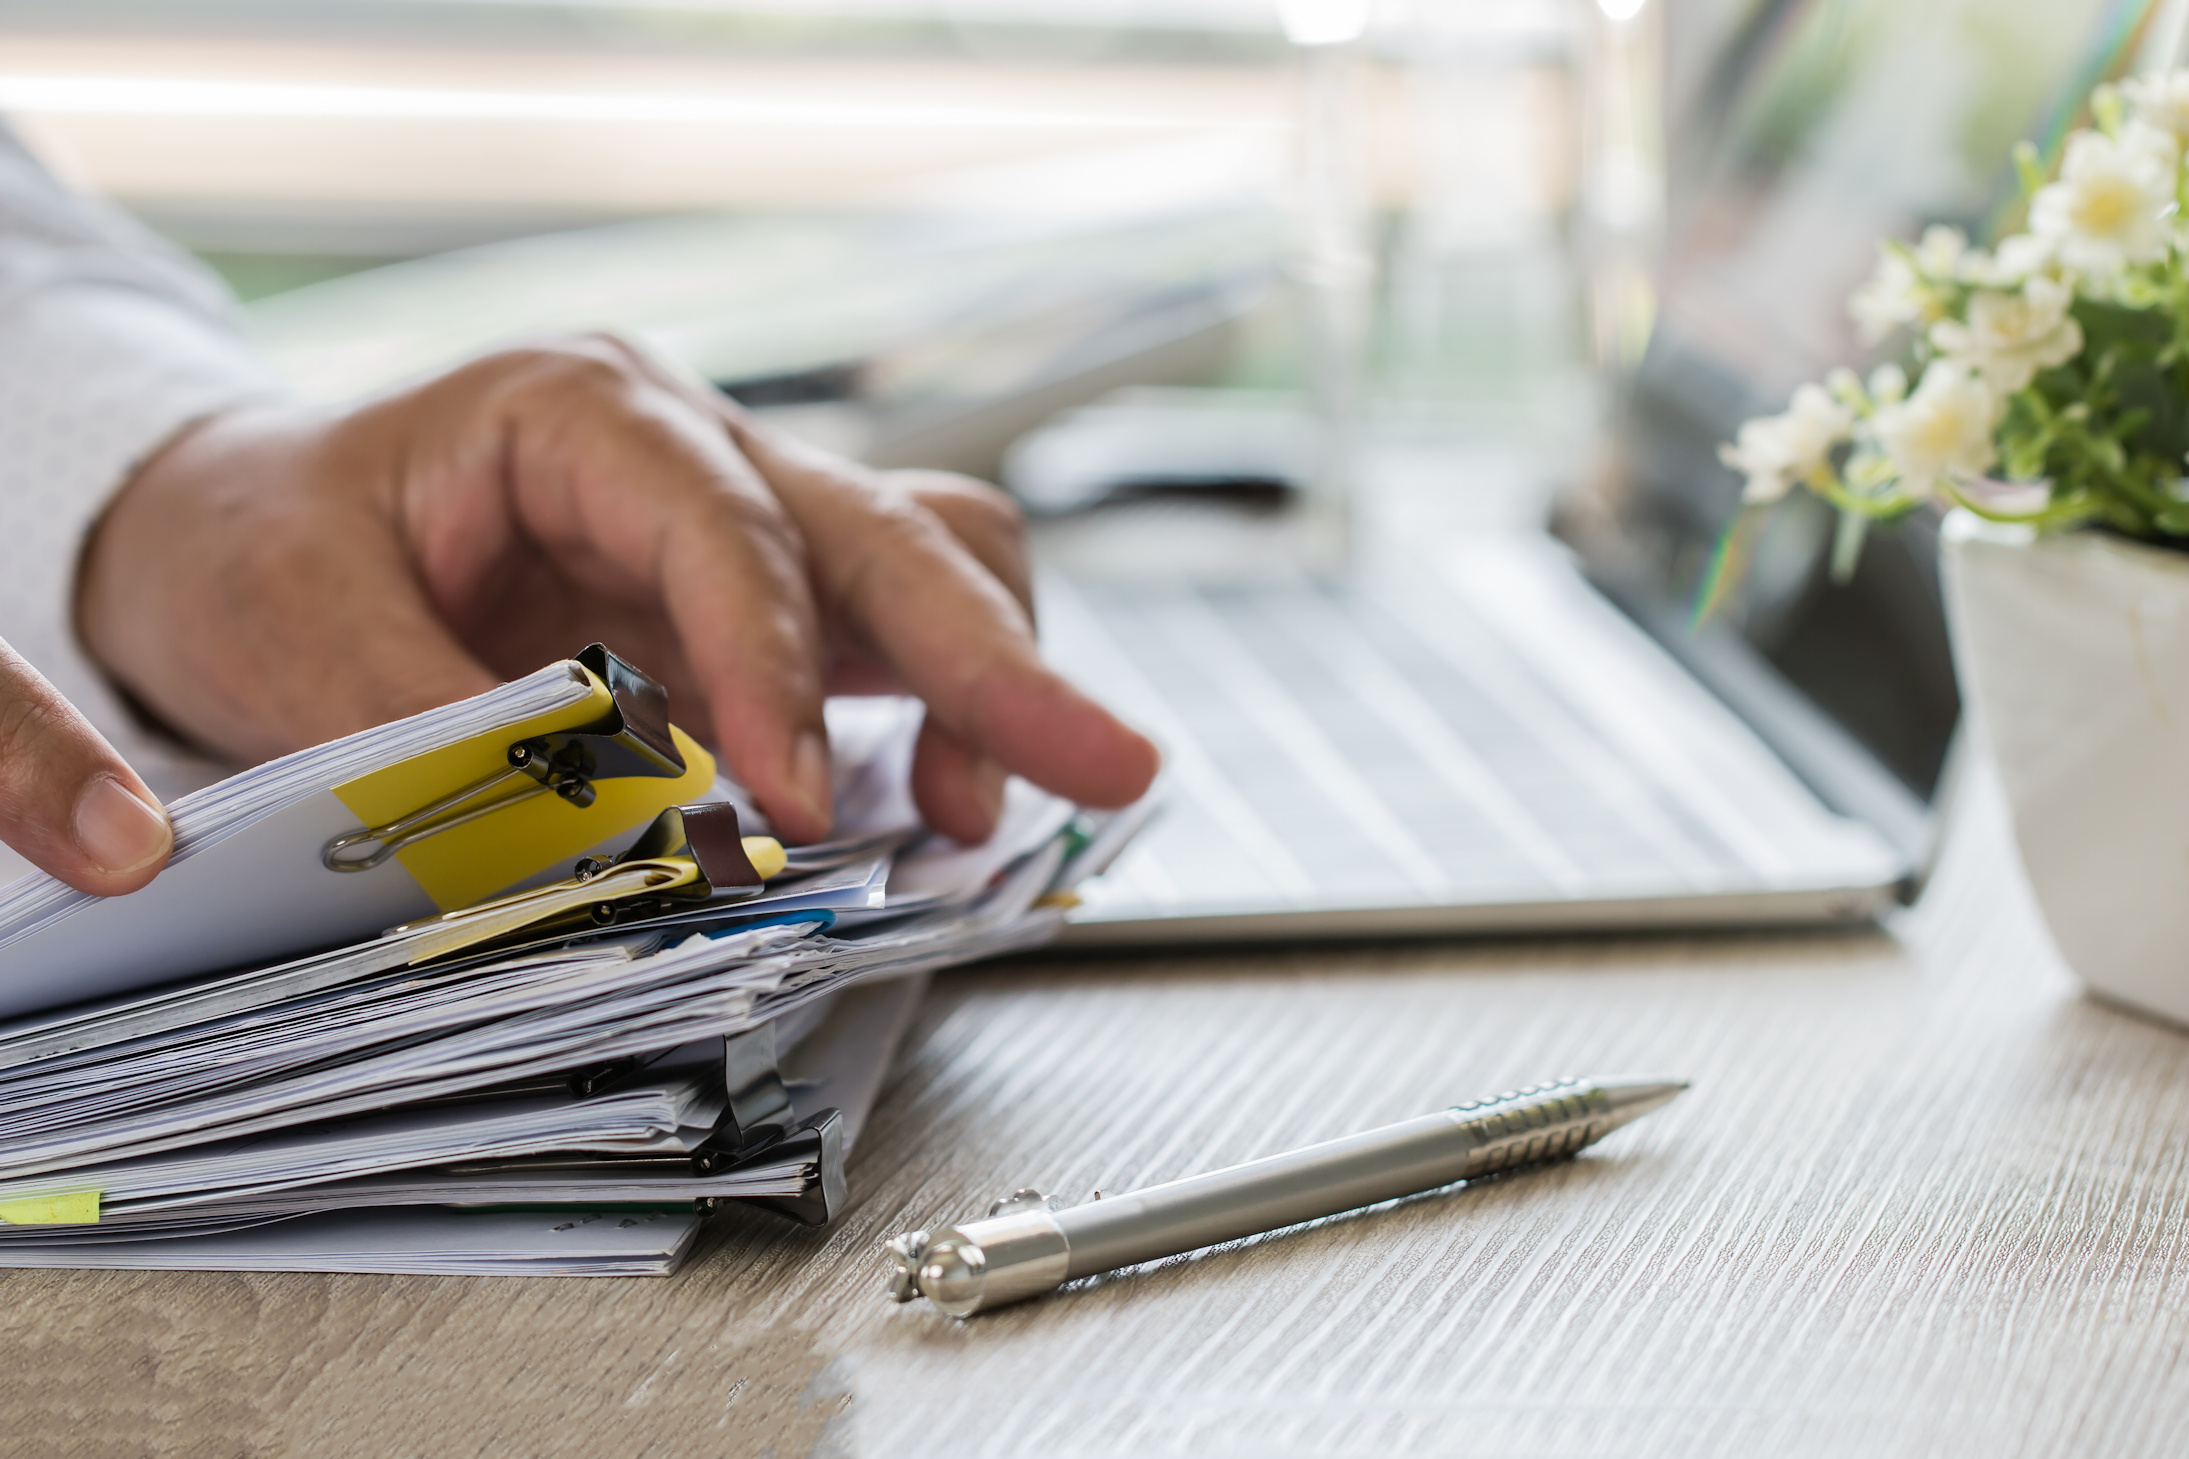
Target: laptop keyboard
<point>1392,744</point>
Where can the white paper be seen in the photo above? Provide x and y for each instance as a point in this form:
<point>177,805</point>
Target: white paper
<point>939,870</point>
<point>839,1062</point>
<point>651,1119</point>
<point>245,883</point>
<point>426,1241</point>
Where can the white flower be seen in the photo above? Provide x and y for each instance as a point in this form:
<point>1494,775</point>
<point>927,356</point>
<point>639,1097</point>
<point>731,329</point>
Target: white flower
<point>1942,432</point>
<point>2109,207</point>
<point>1893,296</point>
<point>2157,143</point>
<point>1940,253</point>
<point>2006,267</point>
<point>1775,451</point>
<point>2161,102</point>
<point>1898,292</point>
<point>1888,384</point>
<point>2010,337</point>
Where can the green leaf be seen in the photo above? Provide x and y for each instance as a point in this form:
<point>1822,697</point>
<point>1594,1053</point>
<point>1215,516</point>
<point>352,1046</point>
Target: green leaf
<point>2105,109</point>
<point>2024,460</point>
<point>2029,169</point>
<point>1847,545</point>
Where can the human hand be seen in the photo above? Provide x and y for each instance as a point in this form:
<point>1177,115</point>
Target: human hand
<point>284,574</point>
<point>68,803</point>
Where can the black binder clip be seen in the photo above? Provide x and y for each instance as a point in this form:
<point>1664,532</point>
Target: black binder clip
<point>708,836</point>
<point>817,1146</point>
<point>757,1127</point>
<point>631,739</point>
<point>759,1102</point>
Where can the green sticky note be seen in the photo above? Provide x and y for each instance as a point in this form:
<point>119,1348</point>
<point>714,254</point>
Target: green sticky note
<point>77,1208</point>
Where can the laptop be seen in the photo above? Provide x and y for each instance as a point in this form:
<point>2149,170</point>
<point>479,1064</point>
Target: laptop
<point>1525,731</point>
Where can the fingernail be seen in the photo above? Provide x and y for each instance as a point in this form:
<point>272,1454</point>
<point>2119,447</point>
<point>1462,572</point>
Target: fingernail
<point>809,775</point>
<point>119,832</point>
<point>986,783</point>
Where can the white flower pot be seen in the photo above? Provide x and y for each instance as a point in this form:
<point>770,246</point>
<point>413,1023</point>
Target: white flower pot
<point>2073,655</point>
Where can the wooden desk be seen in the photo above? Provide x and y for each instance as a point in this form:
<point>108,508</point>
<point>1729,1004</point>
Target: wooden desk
<point>1925,1199</point>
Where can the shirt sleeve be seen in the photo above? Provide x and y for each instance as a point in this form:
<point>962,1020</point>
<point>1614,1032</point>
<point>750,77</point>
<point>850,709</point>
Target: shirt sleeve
<point>111,342</point>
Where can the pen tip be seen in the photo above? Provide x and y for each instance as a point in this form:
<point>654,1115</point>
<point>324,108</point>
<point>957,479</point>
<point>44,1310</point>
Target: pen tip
<point>1630,1099</point>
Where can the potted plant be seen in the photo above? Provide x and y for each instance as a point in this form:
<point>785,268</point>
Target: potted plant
<point>2044,400</point>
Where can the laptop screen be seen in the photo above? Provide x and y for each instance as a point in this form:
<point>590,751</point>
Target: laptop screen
<point>1815,128</point>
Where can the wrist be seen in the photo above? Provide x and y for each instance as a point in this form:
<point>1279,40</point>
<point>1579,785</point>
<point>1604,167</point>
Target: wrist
<point>148,602</point>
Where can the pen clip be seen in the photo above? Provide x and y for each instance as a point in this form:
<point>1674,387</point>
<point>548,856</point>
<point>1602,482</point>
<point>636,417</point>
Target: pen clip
<point>1027,1199</point>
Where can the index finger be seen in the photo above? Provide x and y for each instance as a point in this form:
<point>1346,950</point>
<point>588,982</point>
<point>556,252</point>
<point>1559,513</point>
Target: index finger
<point>955,634</point>
<point>643,499</point>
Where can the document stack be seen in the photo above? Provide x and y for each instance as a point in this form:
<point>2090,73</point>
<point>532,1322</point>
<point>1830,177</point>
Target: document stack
<point>507,987</point>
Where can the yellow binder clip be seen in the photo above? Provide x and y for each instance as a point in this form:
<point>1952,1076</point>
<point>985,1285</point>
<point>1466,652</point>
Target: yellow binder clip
<point>689,854</point>
<point>632,739</point>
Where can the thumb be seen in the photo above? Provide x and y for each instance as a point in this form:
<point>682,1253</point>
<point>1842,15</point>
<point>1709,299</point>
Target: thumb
<point>68,802</point>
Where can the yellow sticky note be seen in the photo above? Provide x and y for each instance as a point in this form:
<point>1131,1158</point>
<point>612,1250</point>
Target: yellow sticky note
<point>77,1208</point>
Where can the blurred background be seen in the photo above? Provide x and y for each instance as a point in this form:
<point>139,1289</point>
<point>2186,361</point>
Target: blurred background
<point>1229,293</point>
<point>1246,252</point>
<point>914,229</point>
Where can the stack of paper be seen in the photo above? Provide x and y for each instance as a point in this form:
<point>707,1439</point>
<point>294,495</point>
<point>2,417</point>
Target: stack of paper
<point>372,1107</point>
<point>247,881</point>
<point>518,1243</point>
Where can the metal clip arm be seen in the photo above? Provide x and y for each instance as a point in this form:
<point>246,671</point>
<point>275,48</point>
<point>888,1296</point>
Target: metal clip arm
<point>385,841</point>
<point>632,739</point>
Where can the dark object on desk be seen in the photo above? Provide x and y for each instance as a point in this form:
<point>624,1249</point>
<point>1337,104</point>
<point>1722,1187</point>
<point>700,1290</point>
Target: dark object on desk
<point>1260,495</point>
<point>822,386</point>
<point>1232,448</point>
<point>1024,1249</point>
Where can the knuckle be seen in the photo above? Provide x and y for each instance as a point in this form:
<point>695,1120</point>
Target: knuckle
<point>607,341</point>
<point>757,517</point>
<point>970,507</point>
<point>897,531</point>
<point>25,723</point>
<point>993,509</point>
<point>582,366</point>
<point>626,355</point>
<point>34,749</point>
<point>902,524</point>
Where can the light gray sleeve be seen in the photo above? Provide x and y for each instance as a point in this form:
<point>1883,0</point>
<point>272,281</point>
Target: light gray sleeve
<point>111,341</point>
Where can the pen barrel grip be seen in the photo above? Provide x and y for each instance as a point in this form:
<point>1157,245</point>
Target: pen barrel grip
<point>1263,1195</point>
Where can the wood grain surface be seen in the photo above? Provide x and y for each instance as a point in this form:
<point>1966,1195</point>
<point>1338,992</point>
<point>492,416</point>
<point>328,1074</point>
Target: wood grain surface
<point>1925,1199</point>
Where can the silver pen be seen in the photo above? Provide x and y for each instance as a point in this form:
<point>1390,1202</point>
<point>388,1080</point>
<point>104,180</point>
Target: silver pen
<point>1024,1248</point>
